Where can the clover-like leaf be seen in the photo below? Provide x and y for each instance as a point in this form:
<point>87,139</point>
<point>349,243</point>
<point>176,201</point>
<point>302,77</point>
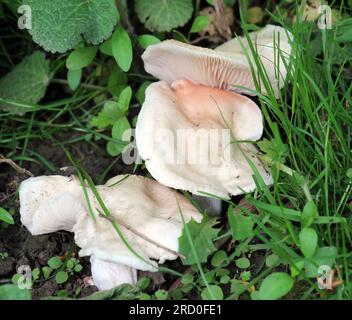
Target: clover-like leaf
<point>25,84</point>
<point>164,15</point>
<point>58,25</point>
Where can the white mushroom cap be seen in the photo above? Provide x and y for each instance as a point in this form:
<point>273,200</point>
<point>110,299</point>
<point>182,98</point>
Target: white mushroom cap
<point>142,207</point>
<point>50,203</point>
<point>272,44</point>
<point>107,275</point>
<point>224,68</point>
<point>147,212</point>
<point>220,168</point>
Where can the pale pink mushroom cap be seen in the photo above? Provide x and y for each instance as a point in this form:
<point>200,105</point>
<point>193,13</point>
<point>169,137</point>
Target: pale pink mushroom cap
<point>220,168</point>
<point>226,67</point>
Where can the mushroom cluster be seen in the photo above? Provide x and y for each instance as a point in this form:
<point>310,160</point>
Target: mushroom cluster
<point>195,131</point>
<point>146,212</point>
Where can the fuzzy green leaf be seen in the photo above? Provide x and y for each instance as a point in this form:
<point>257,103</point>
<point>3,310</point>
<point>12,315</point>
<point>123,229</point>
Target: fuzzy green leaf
<point>58,25</point>
<point>164,15</point>
<point>26,83</point>
<point>203,235</point>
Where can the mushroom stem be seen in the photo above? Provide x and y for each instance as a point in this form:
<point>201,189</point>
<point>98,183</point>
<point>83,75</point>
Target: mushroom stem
<point>107,275</point>
<point>112,220</point>
<point>212,206</point>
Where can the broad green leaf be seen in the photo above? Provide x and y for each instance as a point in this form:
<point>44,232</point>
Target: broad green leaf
<point>344,31</point>
<point>323,256</point>
<point>164,15</point>
<point>146,40</point>
<point>120,127</point>
<point>120,131</point>
<point>78,268</point>
<point>309,213</point>
<point>6,216</point>
<point>108,116</point>
<point>213,291</point>
<point>47,272</point>
<point>237,287</point>
<point>199,24</point>
<point>140,95</point>
<point>161,294</point>
<point>308,240</point>
<point>242,263</point>
<point>241,226</point>
<point>203,235</point>
<point>275,286</point>
<point>187,279</point>
<point>58,25</point>
<point>61,277</point>
<point>272,260</point>
<point>13,292</point>
<point>105,48</point>
<point>36,274</point>
<point>117,81</point>
<point>81,57</point>
<point>33,73</point>
<point>143,283</point>
<point>74,78</point>
<point>55,263</point>
<point>296,268</point>
<point>218,258</point>
<point>125,99</point>
<point>122,48</point>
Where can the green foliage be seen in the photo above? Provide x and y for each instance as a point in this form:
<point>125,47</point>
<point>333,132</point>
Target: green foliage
<point>203,235</point>
<point>164,15</point>
<point>33,73</point>
<point>61,277</point>
<point>216,291</point>
<point>199,23</point>
<point>55,262</point>
<point>94,20</point>
<point>219,258</point>
<point>242,263</point>
<point>308,240</point>
<point>74,78</point>
<point>275,286</point>
<point>241,226</point>
<point>121,46</point>
<point>309,213</point>
<point>120,132</point>
<point>146,40</point>
<point>108,116</point>
<point>6,216</point>
<point>81,57</point>
<point>13,292</point>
